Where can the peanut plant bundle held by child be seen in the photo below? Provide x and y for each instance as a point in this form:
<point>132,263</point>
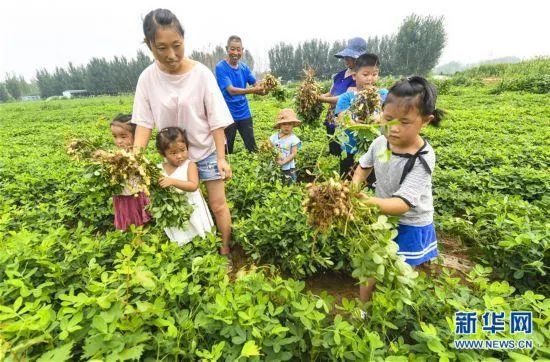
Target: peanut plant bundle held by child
<point>166,206</point>
<point>132,178</point>
<point>336,206</point>
<point>365,105</point>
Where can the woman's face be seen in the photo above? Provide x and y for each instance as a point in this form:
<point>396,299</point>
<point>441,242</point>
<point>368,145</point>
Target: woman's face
<point>168,49</point>
<point>350,62</point>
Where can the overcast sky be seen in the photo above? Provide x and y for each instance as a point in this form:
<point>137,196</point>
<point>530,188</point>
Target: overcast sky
<point>49,33</point>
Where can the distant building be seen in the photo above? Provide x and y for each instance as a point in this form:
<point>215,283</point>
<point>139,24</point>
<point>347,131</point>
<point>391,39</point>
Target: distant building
<point>30,98</point>
<point>75,93</point>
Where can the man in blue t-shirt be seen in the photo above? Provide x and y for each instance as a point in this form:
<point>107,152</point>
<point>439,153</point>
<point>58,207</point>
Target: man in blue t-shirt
<point>233,77</point>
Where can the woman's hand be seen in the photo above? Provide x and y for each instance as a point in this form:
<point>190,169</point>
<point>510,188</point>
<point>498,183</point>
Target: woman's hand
<point>165,182</point>
<point>225,169</point>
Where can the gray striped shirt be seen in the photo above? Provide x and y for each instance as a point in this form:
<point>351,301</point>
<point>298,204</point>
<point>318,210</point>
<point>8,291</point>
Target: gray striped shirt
<point>415,189</point>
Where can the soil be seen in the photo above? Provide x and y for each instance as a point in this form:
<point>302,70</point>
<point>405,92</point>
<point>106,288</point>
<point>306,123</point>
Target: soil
<point>336,284</point>
<point>454,256</point>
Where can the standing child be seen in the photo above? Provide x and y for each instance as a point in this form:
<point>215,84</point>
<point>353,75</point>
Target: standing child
<point>367,68</point>
<point>183,174</point>
<point>129,207</point>
<point>404,183</point>
<point>286,142</point>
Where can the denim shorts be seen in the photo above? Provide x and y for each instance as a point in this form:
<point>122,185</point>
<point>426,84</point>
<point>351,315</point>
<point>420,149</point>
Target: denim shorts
<point>208,168</point>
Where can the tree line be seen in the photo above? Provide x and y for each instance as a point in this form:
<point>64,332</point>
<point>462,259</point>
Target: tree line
<point>414,49</point>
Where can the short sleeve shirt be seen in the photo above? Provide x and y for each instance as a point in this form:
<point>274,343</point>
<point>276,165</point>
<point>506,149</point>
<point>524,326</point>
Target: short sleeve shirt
<point>284,146</point>
<point>191,101</point>
<point>415,189</point>
<point>341,83</point>
<point>238,77</point>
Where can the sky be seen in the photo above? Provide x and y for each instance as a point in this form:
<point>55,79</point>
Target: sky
<point>45,34</point>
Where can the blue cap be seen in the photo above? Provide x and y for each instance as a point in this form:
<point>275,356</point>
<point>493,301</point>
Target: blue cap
<point>355,48</point>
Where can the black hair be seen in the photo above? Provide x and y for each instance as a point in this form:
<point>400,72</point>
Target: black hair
<point>167,136</point>
<point>124,120</point>
<point>367,60</point>
<point>159,18</point>
<point>234,38</point>
<point>418,90</point>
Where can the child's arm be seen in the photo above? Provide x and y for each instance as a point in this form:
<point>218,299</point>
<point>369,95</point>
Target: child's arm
<point>327,98</point>
<point>360,175</point>
<point>293,152</point>
<point>191,185</point>
<point>391,206</point>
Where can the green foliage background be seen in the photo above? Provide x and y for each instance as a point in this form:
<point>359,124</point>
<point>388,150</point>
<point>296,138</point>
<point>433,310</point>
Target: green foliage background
<point>71,288</point>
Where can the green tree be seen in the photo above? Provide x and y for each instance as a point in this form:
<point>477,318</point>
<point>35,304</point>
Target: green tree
<point>248,59</point>
<point>137,66</point>
<point>98,80</point>
<point>315,54</point>
<point>211,58</point>
<point>418,45</point>
<point>384,47</point>
<point>281,61</point>
<point>76,77</point>
<point>4,95</point>
<point>336,64</point>
<point>13,86</point>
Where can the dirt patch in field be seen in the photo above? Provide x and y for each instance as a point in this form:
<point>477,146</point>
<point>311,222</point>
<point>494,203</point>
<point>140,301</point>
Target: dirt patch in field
<point>454,255</point>
<point>336,284</point>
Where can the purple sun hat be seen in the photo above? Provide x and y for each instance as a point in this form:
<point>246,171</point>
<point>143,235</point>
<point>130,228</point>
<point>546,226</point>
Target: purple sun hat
<point>355,48</point>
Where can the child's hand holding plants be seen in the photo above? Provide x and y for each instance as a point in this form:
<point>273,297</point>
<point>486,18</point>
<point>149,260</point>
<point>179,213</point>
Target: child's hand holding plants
<point>165,182</point>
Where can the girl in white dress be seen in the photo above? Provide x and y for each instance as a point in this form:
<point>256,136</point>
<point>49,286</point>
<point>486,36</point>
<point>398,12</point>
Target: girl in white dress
<point>183,174</point>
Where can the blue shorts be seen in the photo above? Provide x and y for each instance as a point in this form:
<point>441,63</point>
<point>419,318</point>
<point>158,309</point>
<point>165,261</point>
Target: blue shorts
<point>417,244</point>
<point>208,168</point>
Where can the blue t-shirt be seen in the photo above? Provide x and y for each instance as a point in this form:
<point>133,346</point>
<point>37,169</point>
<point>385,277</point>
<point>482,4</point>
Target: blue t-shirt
<point>344,103</point>
<point>239,78</point>
<point>284,146</point>
<point>341,83</point>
